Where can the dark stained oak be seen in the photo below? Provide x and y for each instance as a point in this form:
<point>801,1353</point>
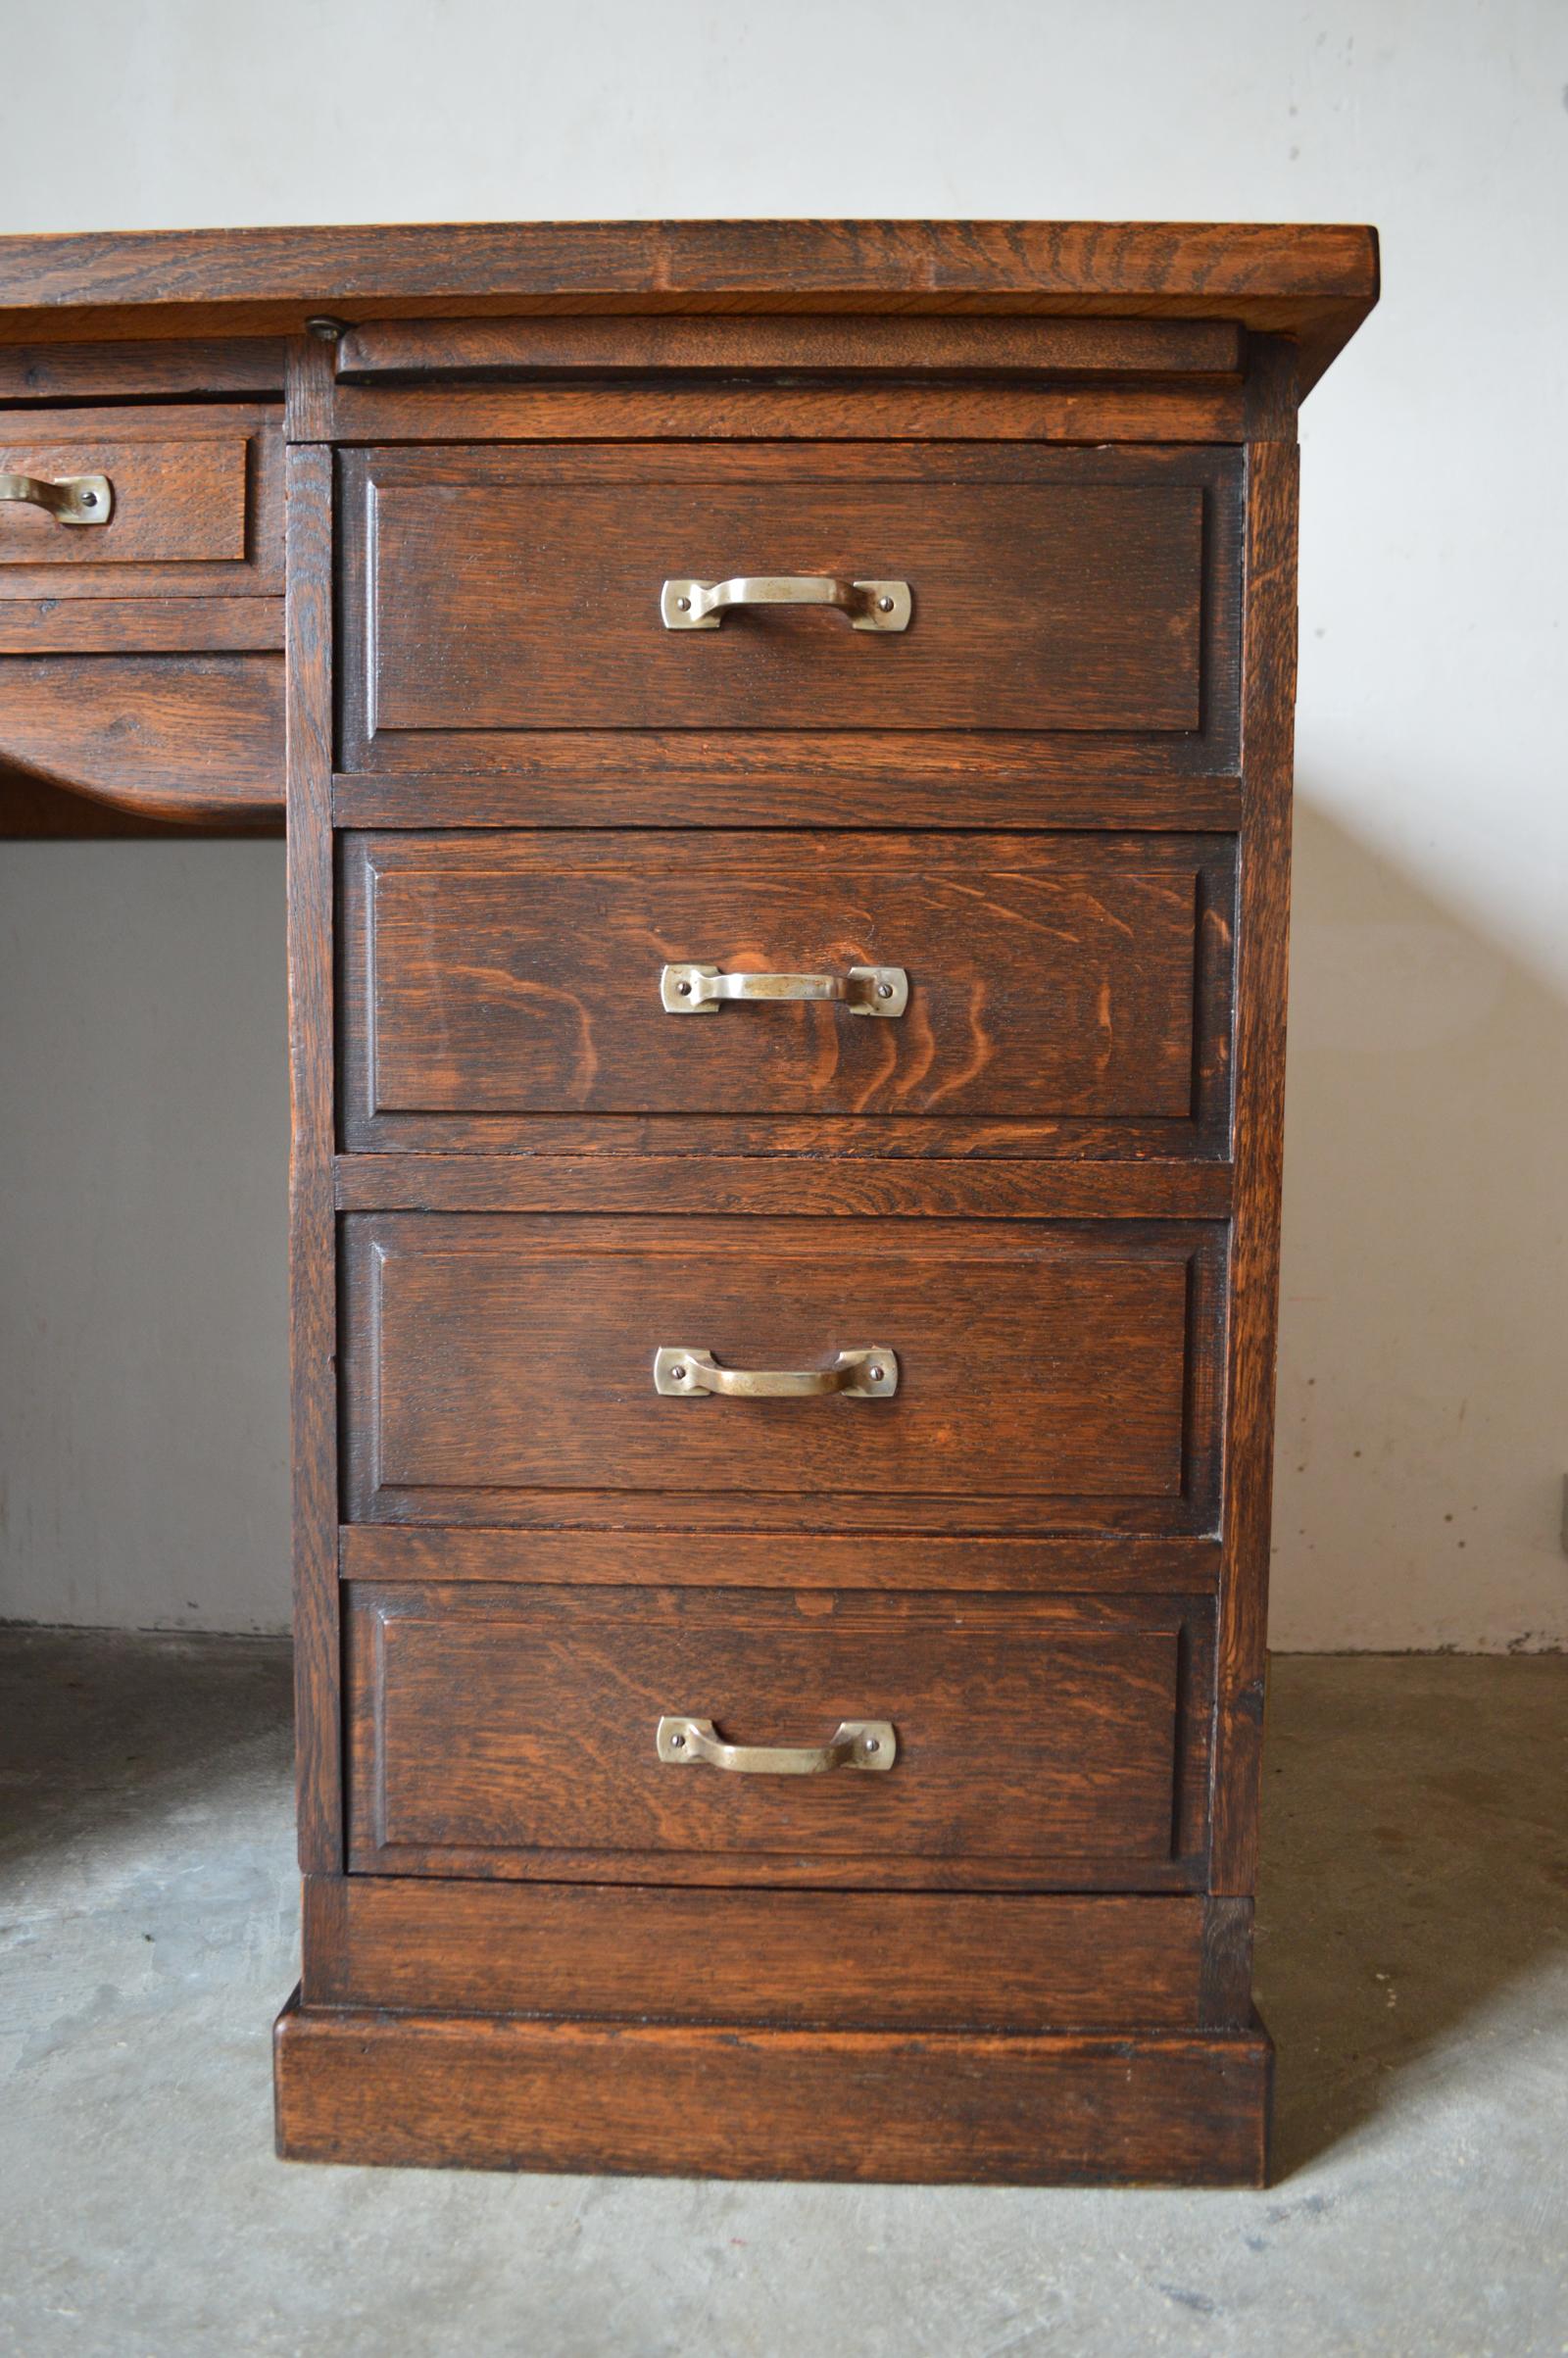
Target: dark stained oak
<point>800,344</point>
<point>128,371</point>
<point>138,660</point>
<point>919,780</point>
<point>1314,282</point>
<point>1067,2108</point>
<point>173,502</point>
<point>170,736</point>
<point>845,1960</point>
<point>521,1723</point>
<point>720,408</point>
<point>1269,704</point>
<point>198,505</point>
<point>31,809</point>
<point>380,1553</point>
<point>792,1179</point>
<point>95,625</point>
<point>499,1369</point>
<point>1061,801</point>
<point>312,1303</point>
<point>495,978</point>
<point>491,592</point>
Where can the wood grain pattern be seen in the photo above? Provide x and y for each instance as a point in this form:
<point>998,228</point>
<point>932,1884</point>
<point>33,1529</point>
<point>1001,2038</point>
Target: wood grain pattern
<point>174,502</point>
<point>1054,590</point>
<point>432,349</point>
<point>519,1722</point>
<point>498,978</point>
<point>796,1183</point>
<point>902,777</point>
<point>127,371</point>
<point>500,1367</point>
<point>187,736</point>
<point>1069,2108</point>
<point>142,626</point>
<point>1006,781</point>
<point>1041,1966</point>
<point>1269,700</point>
<point>198,502</point>
<point>1313,281</point>
<point>857,1960</point>
<point>313,1306</point>
<point>381,1552</point>
<point>1225,1991</point>
<point>30,809</point>
<point>722,409</point>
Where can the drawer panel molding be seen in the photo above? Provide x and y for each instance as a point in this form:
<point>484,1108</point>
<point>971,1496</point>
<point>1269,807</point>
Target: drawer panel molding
<point>500,1370</point>
<point>495,982</point>
<point>527,1729</point>
<point>492,595</point>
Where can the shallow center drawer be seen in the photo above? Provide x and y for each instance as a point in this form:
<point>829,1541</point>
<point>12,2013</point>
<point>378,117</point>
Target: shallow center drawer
<point>180,502</point>
<point>494,979</point>
<point>509,1731</point>
<point>509,1370</point>
<point>495,591</point>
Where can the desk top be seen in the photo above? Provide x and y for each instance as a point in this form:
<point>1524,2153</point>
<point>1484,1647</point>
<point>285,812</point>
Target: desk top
<point>1312,281</point>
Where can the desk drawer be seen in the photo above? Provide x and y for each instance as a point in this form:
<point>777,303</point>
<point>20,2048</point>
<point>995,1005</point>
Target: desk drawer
<point>496,592</point>
<point>194,503</point>
<point>494,981</point>
<point>516,1731</point>
<point>923,1374</point>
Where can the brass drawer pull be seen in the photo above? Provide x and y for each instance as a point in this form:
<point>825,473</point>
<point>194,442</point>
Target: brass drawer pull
<point>690,990</point>
<point>856,1743</point>
<point>869,605</point>
<point>74,500</point>
<point>860,1375</point>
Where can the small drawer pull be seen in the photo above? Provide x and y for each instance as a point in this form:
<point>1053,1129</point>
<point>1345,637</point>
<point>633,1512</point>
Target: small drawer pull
<point>74,500</point>
<point>859,1375</point>
<point>869,605</point>
<point>856,1743</point>
<point>689,990</point>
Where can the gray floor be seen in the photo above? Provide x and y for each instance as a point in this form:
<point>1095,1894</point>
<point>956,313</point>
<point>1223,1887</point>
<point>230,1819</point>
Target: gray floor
<point>1413,1967</point>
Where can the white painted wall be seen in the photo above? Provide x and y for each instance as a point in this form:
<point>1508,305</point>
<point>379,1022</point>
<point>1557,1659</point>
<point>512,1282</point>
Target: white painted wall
<point>1424,1392</point>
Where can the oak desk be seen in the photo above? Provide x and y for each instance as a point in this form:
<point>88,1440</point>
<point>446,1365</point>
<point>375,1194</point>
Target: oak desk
<point>785,731</point>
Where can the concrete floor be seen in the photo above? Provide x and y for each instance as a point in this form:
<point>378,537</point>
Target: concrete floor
<point>1414,1964</point>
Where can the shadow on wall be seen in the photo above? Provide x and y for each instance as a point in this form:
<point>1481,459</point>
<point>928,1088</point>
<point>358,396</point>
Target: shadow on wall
<point>1423,1401</point>
<point>1413,1901</point>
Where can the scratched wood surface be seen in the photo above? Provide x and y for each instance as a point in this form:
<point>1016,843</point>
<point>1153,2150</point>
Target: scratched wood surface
<point>1078,2108</point>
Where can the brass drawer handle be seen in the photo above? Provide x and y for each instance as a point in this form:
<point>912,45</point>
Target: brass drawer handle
<point>856,1743</point>
<point>689,990</point>
<point>869,605</point>
<point>74,500</point>
<point>860,1375</point>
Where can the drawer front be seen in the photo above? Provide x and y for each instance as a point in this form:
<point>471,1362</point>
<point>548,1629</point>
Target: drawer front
<point>1060,989</point>
<point>195,503</point>
<point>515,1732</point>
<point>1034,1374</point>
<point>495,592</point>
